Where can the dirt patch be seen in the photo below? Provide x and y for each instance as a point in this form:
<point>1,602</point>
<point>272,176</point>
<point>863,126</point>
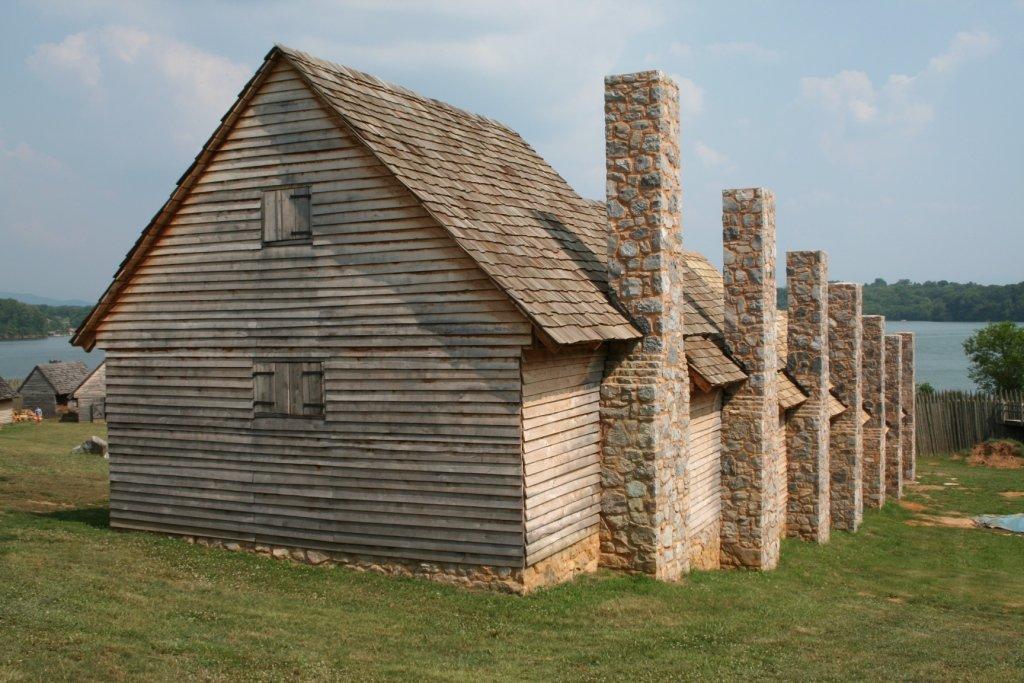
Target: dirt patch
<point>1012,495</point>
<point>926,487</point>
<point>912,506</point>
<point>1003,455</point>
<point>942,520</point>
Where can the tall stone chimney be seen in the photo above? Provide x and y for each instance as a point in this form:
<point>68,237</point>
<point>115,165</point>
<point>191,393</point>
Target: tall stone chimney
<point>909,395</point>
<point>645,394</point>
<point>873,378</point>
<point>807,428</point>
<point>894,416</point>
<point>753,485</point>
<point>846,438</point>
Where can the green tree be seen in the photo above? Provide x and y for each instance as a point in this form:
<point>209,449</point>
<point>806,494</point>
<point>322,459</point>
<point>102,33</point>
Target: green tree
<point>996,352</point>
<point>925,389</point>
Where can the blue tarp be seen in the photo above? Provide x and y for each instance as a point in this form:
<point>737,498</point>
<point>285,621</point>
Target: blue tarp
<point>1013,523</point>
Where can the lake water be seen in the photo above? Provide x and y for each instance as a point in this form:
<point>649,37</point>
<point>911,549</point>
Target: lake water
<point>17,358</point>
<point>940,354</point>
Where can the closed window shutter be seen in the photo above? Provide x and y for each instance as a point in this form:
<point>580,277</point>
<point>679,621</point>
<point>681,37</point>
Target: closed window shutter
<point>287,214</point>
<point>312,389</point>
<point>263,388</point>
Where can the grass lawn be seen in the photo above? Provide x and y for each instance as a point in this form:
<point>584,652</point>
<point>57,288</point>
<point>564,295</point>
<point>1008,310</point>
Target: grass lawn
<point>896,600</point>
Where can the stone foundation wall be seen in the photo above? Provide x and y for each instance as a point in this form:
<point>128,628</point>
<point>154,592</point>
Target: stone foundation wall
<point>808,515</point>
<point>753,482</point>
<point>846,432</point>
<point>894,416</point>
<point>873,395</point>
<point>565,565</point>
<point>705,549</point>
<point>645,392</point>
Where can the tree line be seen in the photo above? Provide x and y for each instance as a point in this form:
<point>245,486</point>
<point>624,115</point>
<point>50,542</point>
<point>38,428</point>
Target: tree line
<point>32,321</point>
<point>940,301</point>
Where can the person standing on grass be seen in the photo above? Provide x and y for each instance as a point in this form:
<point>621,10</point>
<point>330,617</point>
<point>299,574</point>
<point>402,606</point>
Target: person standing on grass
<point>39,414</point>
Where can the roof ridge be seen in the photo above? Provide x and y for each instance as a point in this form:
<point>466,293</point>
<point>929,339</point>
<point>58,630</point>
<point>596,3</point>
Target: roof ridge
<point>380,82</point>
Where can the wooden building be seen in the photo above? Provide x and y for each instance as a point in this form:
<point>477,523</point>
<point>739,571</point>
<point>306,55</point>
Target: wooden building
<point>7,396</point>
<point>91,395</point>
<point>371,327</point>
<point>366,323</point>
<point>49,386</point>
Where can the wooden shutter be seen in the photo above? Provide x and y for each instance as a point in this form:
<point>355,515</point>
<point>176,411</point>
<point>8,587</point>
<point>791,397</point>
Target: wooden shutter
<point>264,401</point>
<point>312,389</point>
<point>287,214</point>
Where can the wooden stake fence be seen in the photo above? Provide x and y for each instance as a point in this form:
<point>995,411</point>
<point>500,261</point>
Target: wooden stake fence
<point>950,421</point>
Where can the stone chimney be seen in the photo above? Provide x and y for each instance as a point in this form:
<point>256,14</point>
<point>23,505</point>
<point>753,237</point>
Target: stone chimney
<point>873,396</point>
<point>894,416</point>
<point>753,486</point>
<point>909,395</point>
<point>645,394</point>
<point>846,448</point>
<point>807,428</point>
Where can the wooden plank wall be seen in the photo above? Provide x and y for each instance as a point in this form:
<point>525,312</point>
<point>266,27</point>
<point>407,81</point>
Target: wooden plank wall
<point>6,412</point>
<point>90,396</point>
<point>561,448</point>
<point>419,453</point>
<point>704,474</point>
<point>36,392</point>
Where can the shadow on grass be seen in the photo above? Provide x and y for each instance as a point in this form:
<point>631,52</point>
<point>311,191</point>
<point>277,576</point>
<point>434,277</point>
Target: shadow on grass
<point>98,517</point>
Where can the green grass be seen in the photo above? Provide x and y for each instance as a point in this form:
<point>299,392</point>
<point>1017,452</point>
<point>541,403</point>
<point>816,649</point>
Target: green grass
<point>894,601</point>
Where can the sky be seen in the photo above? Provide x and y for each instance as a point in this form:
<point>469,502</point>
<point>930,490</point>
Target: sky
<point>889,130</point>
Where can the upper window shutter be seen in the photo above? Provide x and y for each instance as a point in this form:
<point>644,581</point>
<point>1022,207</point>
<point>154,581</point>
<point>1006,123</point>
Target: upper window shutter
<point>296,212</point>
<point>287,214</point>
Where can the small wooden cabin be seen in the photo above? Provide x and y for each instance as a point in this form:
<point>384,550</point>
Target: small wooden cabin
<point>49,386</point>
<point>7,396</point>
<point>91,395</point>
<point>367,324</point>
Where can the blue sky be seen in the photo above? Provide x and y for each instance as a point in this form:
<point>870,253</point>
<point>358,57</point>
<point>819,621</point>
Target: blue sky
<point>889,131</point>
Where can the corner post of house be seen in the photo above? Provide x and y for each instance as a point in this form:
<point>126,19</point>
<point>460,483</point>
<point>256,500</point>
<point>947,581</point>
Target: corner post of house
<point>753,478</point>
<point>807,428</point>
<point>894,416</point>
<point>846,448</point>
<point>873,398</point>
<point>909,395</point>
<point>645,392</point>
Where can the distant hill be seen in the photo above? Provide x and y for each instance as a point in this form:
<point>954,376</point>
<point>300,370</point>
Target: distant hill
<point>36,299</point>
<point>941,301</point>
<point>19,320</point>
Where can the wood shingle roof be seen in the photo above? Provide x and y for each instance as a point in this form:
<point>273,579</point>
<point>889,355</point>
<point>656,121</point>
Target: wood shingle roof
<point>63,376</point>
<point>6,391</point>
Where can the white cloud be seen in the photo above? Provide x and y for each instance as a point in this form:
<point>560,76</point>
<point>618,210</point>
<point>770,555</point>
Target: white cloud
<point>710,156</point>
<point>965,46</point>
<point>72,57</point>
<point>901,105</point>
<point>116,61</point>
<point>25,154</point>
<point>691,96</point>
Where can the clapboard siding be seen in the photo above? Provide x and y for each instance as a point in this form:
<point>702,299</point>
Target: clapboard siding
<point>704,473</point>
<point>37,392</point>
<point>418,455</point>
<point>6,412</point>
<point>91,395</point>
<point>561,448</point>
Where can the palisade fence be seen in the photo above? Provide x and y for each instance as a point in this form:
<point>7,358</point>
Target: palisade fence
<point>950,421</point>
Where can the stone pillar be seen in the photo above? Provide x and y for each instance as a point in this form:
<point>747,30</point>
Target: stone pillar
<point>807,430</point>
<point>753,485</point>
<point>909,396</point>
<point>873,396</point>
<point>894,416</point>
<point>846,454</point>
<point>645,394</point>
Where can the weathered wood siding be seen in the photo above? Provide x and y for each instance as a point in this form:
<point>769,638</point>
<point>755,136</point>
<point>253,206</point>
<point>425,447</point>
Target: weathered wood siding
<point>6,412</point>
<point>704,473</point>
<point>419,453</point>
<point>36,392</point>
<point>561,448</point>
<point>91,396</point>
